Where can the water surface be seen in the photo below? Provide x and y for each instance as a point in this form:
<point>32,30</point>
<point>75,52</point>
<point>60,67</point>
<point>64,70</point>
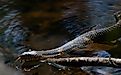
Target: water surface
<point>50,24</point>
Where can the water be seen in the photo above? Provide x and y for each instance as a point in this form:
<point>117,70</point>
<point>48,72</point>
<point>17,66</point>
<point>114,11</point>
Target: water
<point>49,24</point>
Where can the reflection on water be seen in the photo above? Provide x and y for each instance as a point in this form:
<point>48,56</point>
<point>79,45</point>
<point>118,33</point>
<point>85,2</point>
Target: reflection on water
<point>52,23</point>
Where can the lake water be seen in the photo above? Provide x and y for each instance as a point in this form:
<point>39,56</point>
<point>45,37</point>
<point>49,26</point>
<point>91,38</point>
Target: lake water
<point>51,23</point>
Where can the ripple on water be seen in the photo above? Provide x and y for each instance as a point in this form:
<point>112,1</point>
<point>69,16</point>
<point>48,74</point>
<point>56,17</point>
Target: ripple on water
<point>50,28</point>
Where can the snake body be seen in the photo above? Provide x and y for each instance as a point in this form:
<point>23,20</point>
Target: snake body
<point>83,40</point>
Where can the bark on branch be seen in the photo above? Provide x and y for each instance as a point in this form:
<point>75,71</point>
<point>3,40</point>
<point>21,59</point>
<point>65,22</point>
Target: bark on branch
<point>85,61</point>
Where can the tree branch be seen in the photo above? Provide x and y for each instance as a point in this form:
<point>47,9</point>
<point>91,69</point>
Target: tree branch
<point>85,61</point>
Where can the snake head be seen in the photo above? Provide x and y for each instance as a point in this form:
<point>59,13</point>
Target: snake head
<point>28,56</point>
<point>34,55</point>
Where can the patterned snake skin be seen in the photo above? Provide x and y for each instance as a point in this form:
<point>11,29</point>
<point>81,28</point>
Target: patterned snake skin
<point>85,39</point>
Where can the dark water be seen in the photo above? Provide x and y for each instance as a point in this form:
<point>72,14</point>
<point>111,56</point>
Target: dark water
<point>50,23</point>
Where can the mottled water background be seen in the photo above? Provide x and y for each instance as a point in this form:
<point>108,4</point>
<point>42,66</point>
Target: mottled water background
<point>50,24</point>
